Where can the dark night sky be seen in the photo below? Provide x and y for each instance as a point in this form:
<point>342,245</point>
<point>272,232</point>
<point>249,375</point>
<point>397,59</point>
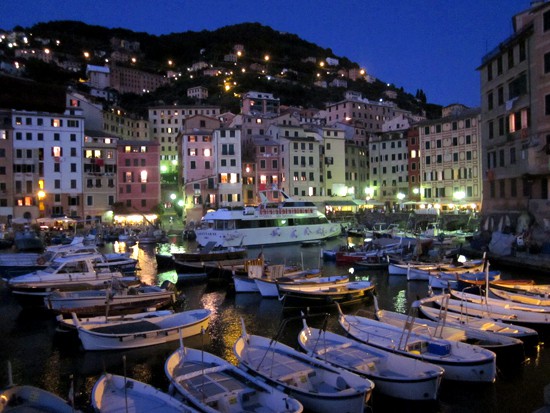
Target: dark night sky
<point>434,45</point>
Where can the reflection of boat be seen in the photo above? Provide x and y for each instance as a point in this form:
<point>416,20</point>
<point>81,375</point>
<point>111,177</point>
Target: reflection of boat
<point>213,385</point>
<point>461,361</point>
<point>113,394</point>
<point>394,375</point>
<point>284,222</point>
<point>319,386</point>
<point>140,332</point>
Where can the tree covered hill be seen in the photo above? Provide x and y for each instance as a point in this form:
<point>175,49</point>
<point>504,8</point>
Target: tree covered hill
<point>291,77</point>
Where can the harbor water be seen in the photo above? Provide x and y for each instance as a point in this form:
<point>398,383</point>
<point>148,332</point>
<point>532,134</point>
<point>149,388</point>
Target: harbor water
<point>55,361</point>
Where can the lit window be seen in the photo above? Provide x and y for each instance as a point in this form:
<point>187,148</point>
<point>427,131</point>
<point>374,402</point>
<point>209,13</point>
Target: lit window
<point>143,176</point>
<point>207,152</point>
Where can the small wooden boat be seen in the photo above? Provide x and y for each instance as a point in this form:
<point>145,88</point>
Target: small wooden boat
<point>268,287</point>
<point>393,375</point>
<point>97,302</point>
<point>462,362</point>
<point>496,303</point>
<point>509,350</point>
<point>528,336</point>
<point>212,384</point>
<point>503,312</point>
<point>521,297</point>
<point>140,332</point>
<point>67,324</point>
<point>319,386</point>
<point>114,394</point>
<point>325,294</point>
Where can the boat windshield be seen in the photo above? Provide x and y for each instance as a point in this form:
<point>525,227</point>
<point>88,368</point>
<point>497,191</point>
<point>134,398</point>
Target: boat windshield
<point>54,267</point>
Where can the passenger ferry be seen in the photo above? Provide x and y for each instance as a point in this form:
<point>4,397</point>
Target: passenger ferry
<point>284,222</point>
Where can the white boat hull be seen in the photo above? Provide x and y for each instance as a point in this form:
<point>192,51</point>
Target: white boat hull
<point>462,362</point>
<point>149,332</point>
<point>394,375</point>
<point>113,394</point>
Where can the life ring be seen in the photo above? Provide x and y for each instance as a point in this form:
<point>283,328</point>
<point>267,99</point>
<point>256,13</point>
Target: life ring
<point>40,261</point>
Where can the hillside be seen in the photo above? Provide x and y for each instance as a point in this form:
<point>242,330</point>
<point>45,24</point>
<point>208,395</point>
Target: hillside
<point>289,75</point>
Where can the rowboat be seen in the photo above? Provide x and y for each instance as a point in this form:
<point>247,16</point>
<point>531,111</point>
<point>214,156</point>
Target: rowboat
<point>462,362</point>
<point>528,336</point>
<point>393,375</point>
<point>522,297</point>
<point>319,386</point>
<point>497,303</point>
<point>113,394</point>
<point>212,384</point>
<point>109,301</point>
<point>508,349</point>
<point>268,287</point>
<point>141,332</point>
<point>23,398</point>
<point>325,294</point>
<point>503,312</point>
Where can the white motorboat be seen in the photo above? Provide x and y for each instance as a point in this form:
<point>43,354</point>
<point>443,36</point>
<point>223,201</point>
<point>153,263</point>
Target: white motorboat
<point>212,385</point>
<point>110,300</point>
<point>141,332</point>
<point>528,336</point>
<point>508,349</point>
<point>114,394</point>
<point>72,272</point>
<point>284,222</point>
<point>393,375</point>
<point>318,385</point>
<point>462,362</point>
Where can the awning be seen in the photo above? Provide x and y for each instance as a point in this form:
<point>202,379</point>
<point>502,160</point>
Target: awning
<point>341,203</point>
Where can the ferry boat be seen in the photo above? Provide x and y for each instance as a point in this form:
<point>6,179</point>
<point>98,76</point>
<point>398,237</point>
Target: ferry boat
<point>285,222</point>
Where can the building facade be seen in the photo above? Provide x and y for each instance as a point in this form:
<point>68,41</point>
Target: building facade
<point>515,130</point>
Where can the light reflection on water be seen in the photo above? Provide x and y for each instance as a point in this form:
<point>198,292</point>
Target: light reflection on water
<point>43,358</point>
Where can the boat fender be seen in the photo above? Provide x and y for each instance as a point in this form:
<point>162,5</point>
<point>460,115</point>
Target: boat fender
<point>40,261</point>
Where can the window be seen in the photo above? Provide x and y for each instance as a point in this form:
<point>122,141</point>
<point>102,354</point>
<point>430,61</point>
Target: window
<point>546,62</point>
<point>546,21</point>
<point>547,105</point>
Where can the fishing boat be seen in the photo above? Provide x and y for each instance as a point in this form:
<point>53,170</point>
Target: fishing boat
<point>211,252</point>
<point>318,385</point>
<point>393,375</point>
<point>212,385</point>
<point>325,294</point>
<point>72,272</point>
<point>496,303</point>
<point>285,222</point>
<point>509,350</point>
<point>504,312</point>
<point>269,287</point>
<point>462,362</point>
<point>521,297</point>
<point>528,336</point>
<point>110,300</point>
<point>66,324</point>
<point>141,332</point>
<point>113,394</point>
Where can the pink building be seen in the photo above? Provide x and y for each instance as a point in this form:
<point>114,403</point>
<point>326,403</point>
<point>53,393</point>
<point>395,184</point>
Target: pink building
<point>138,175</point>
